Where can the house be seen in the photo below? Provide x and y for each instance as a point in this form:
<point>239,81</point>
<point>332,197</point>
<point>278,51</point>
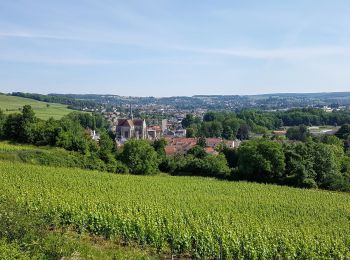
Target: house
<point>154,132</point>
<point>164,125</point>
<point>213,142</point>
<point>169,133</point>
<point>180,132</point>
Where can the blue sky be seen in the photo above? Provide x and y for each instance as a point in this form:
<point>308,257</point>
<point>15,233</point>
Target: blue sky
<point>178,47</point>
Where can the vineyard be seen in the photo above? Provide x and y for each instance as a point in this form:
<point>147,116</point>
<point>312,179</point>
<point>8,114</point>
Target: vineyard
<point>186,215</point>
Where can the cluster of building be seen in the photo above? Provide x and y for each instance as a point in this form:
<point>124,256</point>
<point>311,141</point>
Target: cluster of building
<point>175,135</point>
<point>130,127</point>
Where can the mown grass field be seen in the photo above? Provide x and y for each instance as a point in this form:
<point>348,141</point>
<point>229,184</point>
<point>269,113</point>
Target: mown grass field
<point>186,215</point>
<point>43,110</point>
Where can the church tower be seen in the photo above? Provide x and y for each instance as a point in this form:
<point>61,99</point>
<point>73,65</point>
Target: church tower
<point>131,116</point>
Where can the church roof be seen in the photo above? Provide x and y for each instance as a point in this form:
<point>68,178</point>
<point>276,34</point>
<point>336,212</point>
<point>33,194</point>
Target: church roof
<point>130,123</point>
<point>138,122</point>
<point>125,122</point>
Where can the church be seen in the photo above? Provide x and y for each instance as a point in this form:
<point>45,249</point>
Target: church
<point>131,128</point>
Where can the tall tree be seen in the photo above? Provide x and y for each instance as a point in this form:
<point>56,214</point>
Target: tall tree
<point>106,146</point>
<point>140,157</point>
<point>243,132</point>
<point>261,161</point>
<point>300,133</point>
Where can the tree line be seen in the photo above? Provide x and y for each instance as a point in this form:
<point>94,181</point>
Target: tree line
<point>230,125</point>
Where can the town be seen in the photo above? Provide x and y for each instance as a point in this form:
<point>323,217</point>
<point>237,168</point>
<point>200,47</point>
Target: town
<point>171,130</point>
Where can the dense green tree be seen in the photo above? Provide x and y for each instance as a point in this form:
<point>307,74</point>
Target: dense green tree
<point>261,161</point>
<point>209,165</point>
<point>214,165</point>
<point>28,115</point>
<point>343,132</point>
<point>72,136</point>
<point>197,151</point>
<point>86,120</point>
<point>27,124</point>
<point>313,164</point>
<point>190,132</point>
<point>211,129</point>
<point>46,132</point>
<point>2,122</point>
<point>227,133</point>
<point>231,156</point>
<point>232,124</point>
<point>201,141</point>
<point>209,116</point>
<point>12,126</point>
<point>188,121</point>
<point>331,139</point>
<point>106,147</point>
<point>326,165</point>
<point>140,157</point>
<point>243,132</point>
<point>299,166</point>
<point>300,133</point>
<point>159,147</point>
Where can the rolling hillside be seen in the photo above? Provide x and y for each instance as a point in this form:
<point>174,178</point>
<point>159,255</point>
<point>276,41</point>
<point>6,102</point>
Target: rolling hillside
<point>185,215</point>
<point>43,110</point>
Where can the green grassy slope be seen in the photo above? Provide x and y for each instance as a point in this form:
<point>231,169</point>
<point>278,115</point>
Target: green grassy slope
<point>188,214</point>
<point>11,104</point>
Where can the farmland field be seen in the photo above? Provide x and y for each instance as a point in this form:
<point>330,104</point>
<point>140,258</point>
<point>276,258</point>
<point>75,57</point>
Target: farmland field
<point>186,215</point>
<point>43,110</point>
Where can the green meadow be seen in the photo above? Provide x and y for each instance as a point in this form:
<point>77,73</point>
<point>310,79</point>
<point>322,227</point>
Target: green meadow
<point>43,110</point>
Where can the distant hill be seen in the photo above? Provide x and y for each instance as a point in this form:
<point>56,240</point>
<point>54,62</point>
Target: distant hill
<point>43,110</point>
<point>223,102</point>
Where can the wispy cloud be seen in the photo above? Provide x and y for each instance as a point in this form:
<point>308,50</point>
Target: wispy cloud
<point>96,62</point>
<point>287,53</point>
<point>278,53</point>
<point>33,36</point>
<point>250,53</point>
<point>88,37</point>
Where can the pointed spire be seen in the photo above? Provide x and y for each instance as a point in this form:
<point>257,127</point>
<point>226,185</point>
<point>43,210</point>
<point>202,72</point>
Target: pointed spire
<point>131,116</point>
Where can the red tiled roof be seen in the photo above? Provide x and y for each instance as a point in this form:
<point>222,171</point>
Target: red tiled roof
<point>171,150</point>
<point>213,141</point>
<point>211,150</point>
<point>176,141</point>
